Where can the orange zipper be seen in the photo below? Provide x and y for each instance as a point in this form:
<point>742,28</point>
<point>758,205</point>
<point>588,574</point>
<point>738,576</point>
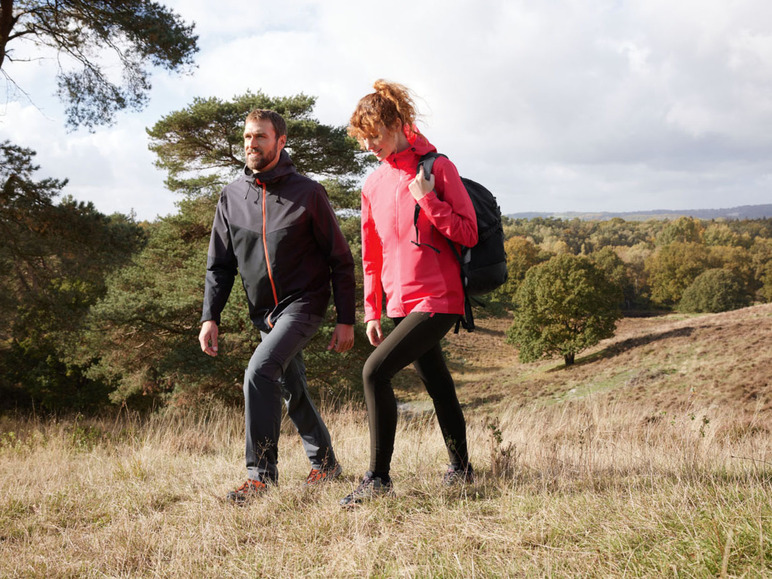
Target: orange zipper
<point>268,259</point>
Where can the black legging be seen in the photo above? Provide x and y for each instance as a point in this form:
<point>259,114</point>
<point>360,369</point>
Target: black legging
<point>415,338</point>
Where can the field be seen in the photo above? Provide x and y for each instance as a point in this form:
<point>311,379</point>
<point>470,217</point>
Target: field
<point>651,457</point>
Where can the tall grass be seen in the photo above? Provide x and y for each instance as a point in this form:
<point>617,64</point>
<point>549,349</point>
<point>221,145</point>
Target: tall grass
<point>584,489</point>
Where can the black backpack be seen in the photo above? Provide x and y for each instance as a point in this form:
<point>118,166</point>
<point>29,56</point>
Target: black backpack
<point>483,266</point>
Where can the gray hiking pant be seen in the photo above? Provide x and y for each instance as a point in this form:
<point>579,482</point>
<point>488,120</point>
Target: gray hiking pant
<point>275,371</point>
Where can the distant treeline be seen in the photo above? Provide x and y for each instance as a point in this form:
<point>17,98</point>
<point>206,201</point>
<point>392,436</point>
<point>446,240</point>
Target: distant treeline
<point>741,212</point>
<point>656,262</point>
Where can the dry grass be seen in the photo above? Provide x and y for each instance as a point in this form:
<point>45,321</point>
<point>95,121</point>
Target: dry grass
<point>652,457</point>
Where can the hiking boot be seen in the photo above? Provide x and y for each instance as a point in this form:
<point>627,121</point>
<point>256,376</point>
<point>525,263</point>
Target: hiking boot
<point>324,474</point>
<point>371,487</point>
<point>458,476</point>
<point>248,491</point>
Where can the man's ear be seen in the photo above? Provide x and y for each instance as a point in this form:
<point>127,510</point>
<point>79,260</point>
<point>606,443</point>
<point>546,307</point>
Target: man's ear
<point>282,141</point>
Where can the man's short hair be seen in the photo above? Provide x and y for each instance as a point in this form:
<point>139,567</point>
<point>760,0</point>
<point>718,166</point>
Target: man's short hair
<point>279,125</point>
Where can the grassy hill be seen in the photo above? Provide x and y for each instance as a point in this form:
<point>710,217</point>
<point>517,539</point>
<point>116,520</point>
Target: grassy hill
<point>651,457</point>
<point>719,361</point>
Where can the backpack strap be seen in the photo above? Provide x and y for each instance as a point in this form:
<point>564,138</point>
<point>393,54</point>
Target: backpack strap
<point>467,320</point>
<point>427,161</point>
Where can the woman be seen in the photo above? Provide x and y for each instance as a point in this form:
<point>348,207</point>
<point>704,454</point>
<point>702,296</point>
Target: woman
<point>412,264</point>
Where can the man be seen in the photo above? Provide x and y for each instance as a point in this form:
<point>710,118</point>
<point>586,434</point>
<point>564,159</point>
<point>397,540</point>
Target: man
<point>276,228</point>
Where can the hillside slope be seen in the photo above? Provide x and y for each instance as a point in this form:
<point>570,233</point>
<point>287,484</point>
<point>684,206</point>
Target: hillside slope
<point>665,364</point>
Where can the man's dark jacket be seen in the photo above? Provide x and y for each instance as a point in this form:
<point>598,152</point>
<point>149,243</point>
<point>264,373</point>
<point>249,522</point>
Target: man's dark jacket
<point>278,230</point>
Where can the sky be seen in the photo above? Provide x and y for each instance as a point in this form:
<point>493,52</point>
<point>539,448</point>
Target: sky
<point>556,105</point>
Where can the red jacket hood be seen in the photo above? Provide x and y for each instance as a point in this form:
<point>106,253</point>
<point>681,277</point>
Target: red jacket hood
<point>419,145</point>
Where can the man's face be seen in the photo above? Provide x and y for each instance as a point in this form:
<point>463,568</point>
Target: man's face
<point>261,146</point>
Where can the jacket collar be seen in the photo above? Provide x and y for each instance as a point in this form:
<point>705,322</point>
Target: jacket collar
<point>284,167</point>
<point>419,146</point>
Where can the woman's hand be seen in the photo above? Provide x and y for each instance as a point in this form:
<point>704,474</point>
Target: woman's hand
<point>374,333</point>
<point>420,186</point>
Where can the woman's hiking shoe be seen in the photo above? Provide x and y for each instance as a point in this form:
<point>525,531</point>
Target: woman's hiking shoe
<point>248,491</point>
<point>371,487</point>
<point>320,475</point>
<point>458,476</point>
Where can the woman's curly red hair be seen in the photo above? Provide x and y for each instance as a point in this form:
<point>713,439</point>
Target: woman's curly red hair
<point>390,106</point>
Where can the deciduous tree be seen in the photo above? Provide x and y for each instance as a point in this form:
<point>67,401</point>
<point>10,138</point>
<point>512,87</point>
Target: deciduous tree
<point>562,307</point>
<point>682,230</point>
<point>673,268</point>
<point>713,291</point>
<point>522,255</point>
<point>761,258</point>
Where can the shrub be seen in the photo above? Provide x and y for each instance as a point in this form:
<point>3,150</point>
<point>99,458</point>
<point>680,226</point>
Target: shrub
<point>715,290</point>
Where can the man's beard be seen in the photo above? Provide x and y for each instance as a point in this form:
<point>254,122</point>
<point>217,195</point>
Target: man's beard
<point>262,161</point>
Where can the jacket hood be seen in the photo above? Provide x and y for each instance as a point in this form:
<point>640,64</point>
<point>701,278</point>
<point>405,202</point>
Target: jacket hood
<point>284,167</point>
<point>419,145</point>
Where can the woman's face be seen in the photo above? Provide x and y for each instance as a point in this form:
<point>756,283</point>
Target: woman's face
<point>384,143</point>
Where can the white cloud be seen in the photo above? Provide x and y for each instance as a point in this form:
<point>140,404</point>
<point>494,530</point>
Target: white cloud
<point>111,168</point>
<point>556,106</point>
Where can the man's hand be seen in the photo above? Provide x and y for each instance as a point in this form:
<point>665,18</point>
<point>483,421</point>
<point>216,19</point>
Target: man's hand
<point>207,337</point>
<point>342,338</point>
<point>374,332</point>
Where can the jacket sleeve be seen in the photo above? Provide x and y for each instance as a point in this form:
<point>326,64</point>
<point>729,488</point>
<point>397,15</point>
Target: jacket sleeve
<point>221,266</point>
<point>330,239</point>
<point>449,207</point>
<point>372,263</point>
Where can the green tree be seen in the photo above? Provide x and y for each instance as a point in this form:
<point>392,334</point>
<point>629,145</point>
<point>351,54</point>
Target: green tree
<point>23,203</point>
<point>201,147</point>
<point>682,230</point>
<point>635,258</point>
<point>87,36</point>
<point>765,277</point>
<point>617,232</point>
<point>718,234</point>
<point>738,262</point>
<point>154,305</point>
<point>142,335</point>
<point>563,307</point>
<point>713,291</point>
<point>750,229</point>
<point>616,272</point>
<point>522,255</point>
<point>53,261</point>
<point>761,260</point>
<point>576,235</point>
<point>673,268</point>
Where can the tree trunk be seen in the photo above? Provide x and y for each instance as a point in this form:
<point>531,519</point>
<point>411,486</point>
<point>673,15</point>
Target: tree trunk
<point>569,359</point>
<point>6,24</point>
